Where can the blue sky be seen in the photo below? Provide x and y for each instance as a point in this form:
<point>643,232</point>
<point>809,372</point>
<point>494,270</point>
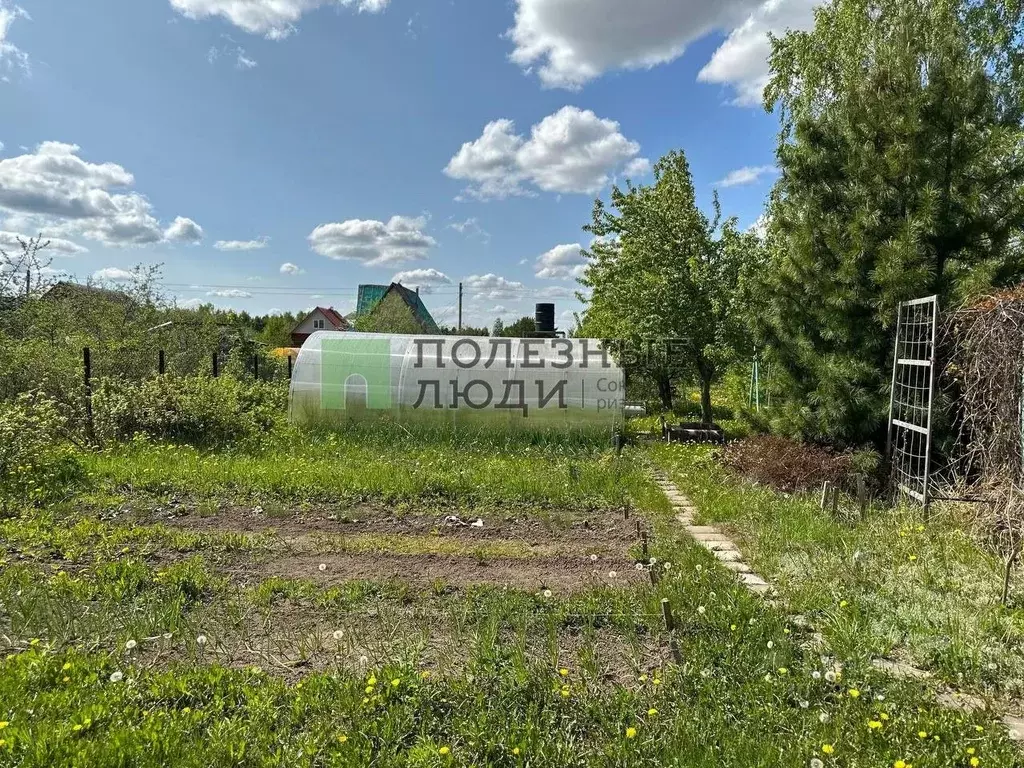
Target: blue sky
<point>274,154</point>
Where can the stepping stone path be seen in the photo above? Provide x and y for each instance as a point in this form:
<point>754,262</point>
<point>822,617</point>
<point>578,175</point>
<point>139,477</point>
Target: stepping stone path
<point>717,543</point>
<point>729,556</point>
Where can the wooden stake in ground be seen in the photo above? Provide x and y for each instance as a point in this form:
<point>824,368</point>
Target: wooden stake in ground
<point>826,490</point>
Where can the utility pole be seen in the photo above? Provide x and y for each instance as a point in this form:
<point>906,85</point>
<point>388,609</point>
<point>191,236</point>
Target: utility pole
<point>460,307</point>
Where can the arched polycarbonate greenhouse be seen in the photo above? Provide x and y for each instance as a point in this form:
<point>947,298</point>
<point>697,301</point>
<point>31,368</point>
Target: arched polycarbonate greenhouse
<point>342,377</point>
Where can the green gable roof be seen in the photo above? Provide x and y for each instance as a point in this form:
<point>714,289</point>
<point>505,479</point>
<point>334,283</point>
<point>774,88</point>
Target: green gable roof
<point>371,295</point>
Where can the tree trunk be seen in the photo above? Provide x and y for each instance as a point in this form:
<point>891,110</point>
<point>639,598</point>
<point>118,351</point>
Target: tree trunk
<point>707,415</point>
<point>665,391</point>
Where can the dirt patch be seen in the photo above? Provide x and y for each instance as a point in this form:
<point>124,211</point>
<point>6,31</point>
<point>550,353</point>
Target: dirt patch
<point>535,527</point>
<point>561,575</point>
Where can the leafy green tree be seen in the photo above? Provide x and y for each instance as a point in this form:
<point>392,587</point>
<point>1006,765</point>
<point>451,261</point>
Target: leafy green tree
<point>902,175</point>
<point>523,328</point>
<point>658,273</point>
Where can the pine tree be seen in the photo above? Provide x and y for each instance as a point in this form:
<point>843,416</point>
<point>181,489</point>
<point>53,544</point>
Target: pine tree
<point>901,153</point>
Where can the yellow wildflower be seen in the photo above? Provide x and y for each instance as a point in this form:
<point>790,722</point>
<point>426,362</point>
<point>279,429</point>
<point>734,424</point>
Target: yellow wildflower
<point>396,682</point>
<point>828,749</point>
<point>656,681</point>
<point>970,750</point>
<point>975,762</point>
<point>515,751</point>
<point>631,733</point>
<point>3,724</point>
<point>854,693</point>
<point>922,734</point>
<point>884,716</point>
<point>443,751</point>
<point>652,712</point>
<point>874,724</point>
<point>343,738</point>
<point>563,672</point>
<point>425,674</point>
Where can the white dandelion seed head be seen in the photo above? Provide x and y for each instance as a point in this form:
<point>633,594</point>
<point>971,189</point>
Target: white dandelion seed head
<point>705,673</point>
<point>698,568</point>
<point>547,593</point>
<point>771,644</point>
<point>116,677</point>
<point>201,640</point>
<point>804,704</point>
<point>701,610</point>
<point>130,645</point>
<point>593,558</point>
<point>667,566</point>
<point>639,566</point>
<point>830,676</point>
<point>879,697</point>
<point>816,675</point>
<point>322,567</point>
<point>338,634</point>
<point>823,717</point>
<point>816,763</point>
<point>653,560</point>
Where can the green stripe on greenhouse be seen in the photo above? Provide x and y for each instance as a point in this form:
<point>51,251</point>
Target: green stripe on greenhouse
<point>355,372</point>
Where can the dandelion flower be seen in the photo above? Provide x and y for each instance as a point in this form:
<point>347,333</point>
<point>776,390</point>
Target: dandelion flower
<point>783,671</point>
<point>444,751</point>
<point>639,566</point>
<point>975,762</point>
<point>547,593</point>
<point>816,675</point>
<point>653,560</point>
<point>698,568</point>
<point>830,676</point>
<point>3,724</point>
<point>563,672</point>
<point>612,574</point>
<point>425,674</point>
<point>823,717</point>
<point>732,627</point>
<point>843,603</point>
<point>979,729</point>
<point>565,693</point>
<point>874,725</point>
<point>828,749</point>
<point>130,645</point>
<point>201,640</point>
<point>593,558</point>
<point>338,634</point>
<point>912,558</point>
<point>970,750</point>
<point>515,750</point>
<point>116,677</point>
<point>631,732</point>
<point>701,610</point>
<point>667,566</point>
<point>322,567</point>
<point>396,682</point>
<point>65,668</point>
<point>652,712</point>
<point>656,681</point>
<point>642,678</point>
<point>854,693</point>
<point>816,763</point>
<point>343,738</point>
<point>922,734</point>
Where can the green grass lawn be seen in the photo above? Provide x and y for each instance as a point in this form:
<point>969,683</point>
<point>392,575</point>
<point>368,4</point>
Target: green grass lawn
<point>136,643</point>
<point>888,586</point>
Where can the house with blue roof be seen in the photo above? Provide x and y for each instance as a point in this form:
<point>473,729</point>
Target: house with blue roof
<point>392,309</point>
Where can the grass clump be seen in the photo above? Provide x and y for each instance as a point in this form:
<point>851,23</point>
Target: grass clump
<point>887,586</point>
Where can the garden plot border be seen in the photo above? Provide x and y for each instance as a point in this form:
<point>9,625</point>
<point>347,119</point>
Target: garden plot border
<point>730,557</point>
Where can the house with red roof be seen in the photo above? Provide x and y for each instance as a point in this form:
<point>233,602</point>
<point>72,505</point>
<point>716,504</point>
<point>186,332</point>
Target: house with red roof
<point>320,319</point>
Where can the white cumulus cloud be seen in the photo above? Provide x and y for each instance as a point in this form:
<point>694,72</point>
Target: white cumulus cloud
<point>274,19</point>
<point>230,293</point>
<point>12,58</point>
<point>742,60</point>
<point>423,279</point>
<point>9,242</point>
<point>291,269</point>
<point>242,245</point>
<point>570,42</point>
<point>493,287</point>
<point>561,262</point>
<point>113,275</point>
<point>54,190</point>
<point>571,151</point>
<point>750,174</point>
<point>372,242</point>
<point>183,230</point>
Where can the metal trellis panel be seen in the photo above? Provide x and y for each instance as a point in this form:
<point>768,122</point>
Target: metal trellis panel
<point>909,439</point>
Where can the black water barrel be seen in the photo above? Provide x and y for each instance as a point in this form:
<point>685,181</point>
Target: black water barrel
<point>545,318</point>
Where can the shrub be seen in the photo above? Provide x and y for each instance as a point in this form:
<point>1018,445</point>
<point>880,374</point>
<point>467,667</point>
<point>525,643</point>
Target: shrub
<point>787,465</point>
<point>196,410</point>
<point>37,462</point>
